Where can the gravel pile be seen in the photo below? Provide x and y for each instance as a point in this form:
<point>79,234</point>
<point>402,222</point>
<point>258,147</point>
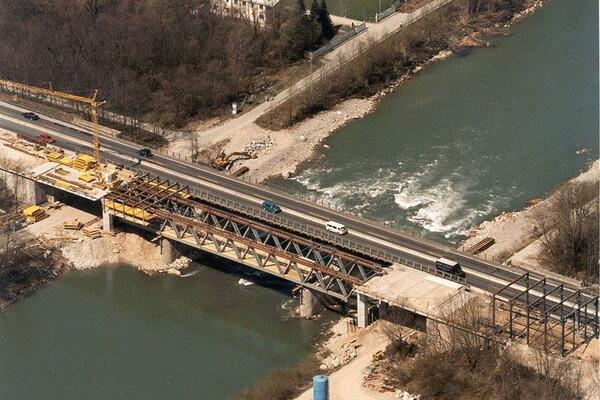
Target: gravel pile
<point>347,352</point>
<point>258,145</point>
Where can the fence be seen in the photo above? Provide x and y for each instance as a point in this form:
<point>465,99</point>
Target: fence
<point>336,66</point>
<point>386,13</point>
<point>104,115</point>
<point>336,41</point>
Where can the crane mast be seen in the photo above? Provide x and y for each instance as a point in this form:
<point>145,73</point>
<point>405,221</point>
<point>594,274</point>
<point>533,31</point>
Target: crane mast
<point>91,102</point>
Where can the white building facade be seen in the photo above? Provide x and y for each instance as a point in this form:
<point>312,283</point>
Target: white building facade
<point>261,12</point>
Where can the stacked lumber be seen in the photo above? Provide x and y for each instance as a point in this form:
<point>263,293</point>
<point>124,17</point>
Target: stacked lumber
<point>35,213</point>
<point>482,245</point>
<point>66,161</point>
<point>91,222</point>
<point>87,177</point>
<point>73,226</point>
<point>92,233</point>
<point>84,162</point>
<point>54,156</point>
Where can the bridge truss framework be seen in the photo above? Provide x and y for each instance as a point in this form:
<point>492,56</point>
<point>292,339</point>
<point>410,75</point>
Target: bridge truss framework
<point>558,320</point>
<point>170,209</point>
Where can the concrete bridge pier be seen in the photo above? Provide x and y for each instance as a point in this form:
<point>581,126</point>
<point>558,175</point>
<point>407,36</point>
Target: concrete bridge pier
<point>383,308</point>
<point>310,303</point>
<point>168,251</point>
<point>108,223</point>
<point>40,195</point>
<point>362,310</point>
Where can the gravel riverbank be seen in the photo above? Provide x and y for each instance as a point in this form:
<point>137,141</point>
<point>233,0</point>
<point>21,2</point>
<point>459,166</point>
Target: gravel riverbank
<point>513,231</point>
<point>290,147</point>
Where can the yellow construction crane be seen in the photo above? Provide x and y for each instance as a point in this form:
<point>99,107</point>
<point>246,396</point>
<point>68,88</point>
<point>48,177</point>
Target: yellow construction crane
<point>94,104</point>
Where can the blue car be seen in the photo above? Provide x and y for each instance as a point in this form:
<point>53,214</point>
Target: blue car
<point>271,207</point>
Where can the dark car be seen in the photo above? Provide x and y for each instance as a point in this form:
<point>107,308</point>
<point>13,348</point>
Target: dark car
<point>271,207</point>
<point>144,153</point>
<point>31,116</point>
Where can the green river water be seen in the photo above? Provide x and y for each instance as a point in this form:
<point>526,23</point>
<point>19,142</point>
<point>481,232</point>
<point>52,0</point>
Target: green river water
<point>471,137</point>
<point>474,135</point>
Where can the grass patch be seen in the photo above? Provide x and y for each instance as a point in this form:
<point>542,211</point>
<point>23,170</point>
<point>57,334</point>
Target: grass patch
<point>284,383</point>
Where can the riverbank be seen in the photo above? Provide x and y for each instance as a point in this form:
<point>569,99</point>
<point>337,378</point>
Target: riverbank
<point>280,152</point>
<point>396,362</point>
<point>513,232</point>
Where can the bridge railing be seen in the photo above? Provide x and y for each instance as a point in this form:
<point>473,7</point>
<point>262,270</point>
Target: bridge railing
<point>317,233</point>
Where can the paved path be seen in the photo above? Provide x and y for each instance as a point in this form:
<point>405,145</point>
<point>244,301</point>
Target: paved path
<point>376,32</point>
<point>337,20</point>
<point>346,383</point>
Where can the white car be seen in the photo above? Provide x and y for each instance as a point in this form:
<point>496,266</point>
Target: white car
<point>336,227</point>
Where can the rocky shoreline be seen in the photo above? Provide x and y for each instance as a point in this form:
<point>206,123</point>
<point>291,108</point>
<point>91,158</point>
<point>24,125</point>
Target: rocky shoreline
<point>122,248</point>
<point>515,242</point>
<point>291,147</point>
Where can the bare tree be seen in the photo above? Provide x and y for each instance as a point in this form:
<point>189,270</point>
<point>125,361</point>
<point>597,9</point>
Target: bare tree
<point>462,331</point>
<point>568,231</point>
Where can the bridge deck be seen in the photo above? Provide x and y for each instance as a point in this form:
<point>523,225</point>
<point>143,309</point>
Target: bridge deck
<point>414,290</point>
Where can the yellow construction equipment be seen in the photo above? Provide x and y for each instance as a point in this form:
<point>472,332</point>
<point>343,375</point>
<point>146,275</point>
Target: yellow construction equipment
<point>224,162</point>
<point>92,102</point>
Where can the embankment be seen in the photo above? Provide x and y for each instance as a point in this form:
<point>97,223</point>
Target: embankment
<point>299,126</point>
<point>513,232</point>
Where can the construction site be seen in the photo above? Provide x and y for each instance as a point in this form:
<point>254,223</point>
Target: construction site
<point>142,213</point>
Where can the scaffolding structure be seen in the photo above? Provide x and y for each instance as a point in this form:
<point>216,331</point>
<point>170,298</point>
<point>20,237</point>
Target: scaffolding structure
<point>172,211</point>
<point>545,314</point>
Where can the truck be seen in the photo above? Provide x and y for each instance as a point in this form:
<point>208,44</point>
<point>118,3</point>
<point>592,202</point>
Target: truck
<point>450,267</point>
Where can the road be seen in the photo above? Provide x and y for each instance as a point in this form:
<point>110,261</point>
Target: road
<point>376,33</point>
<point>481,274</point>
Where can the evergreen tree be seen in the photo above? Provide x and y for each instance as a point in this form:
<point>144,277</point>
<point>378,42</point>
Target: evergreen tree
<point>325,20</point>
<point>300,32</point>
<point>315,25</point>
<point>315,10</point>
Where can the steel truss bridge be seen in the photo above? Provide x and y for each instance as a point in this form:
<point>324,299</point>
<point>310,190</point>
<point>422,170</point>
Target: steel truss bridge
<point>170,210</point>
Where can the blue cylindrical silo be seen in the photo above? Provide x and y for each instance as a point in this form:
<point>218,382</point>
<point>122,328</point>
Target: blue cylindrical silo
<point>320,387</point>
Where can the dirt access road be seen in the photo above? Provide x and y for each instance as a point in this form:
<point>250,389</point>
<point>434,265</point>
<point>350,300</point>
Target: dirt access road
<point>376,32</point>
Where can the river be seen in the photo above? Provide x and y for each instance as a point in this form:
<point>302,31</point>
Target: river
<point>115,333</point>
<point>474,135</point>
<point>471,137</point>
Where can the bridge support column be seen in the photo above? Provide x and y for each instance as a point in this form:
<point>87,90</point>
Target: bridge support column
<point>362,310</point>
<point>383,308</point>
<point>107,220</point>
<point>310,304</point>
<point>168,252</point>
<point>40,195</point>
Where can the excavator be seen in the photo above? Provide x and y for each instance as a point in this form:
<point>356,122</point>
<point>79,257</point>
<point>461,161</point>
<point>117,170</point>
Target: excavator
<point>224,162</point>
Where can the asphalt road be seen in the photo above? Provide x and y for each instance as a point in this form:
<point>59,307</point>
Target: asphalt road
<point>482,274</point>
